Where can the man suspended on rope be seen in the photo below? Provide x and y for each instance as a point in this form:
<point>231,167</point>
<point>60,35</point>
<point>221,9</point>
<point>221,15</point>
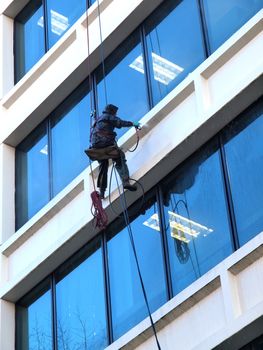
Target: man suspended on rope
<point>104,147</point>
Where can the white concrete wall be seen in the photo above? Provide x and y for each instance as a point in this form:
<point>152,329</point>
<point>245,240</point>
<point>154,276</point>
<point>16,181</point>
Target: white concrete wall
<point>6,55</point>
<point>7,194</point>
<point>7,325</point>
<point>194,111</point>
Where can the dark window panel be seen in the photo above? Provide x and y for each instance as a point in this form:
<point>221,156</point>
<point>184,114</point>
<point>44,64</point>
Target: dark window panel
<point>244,155</point>
<point>32,175</point>
<point>81,314</point>
<point>127,302</point>
<point>125,83</point>
<point>175,45</point>
<point>225,17</point>
<point>29,38</point>
<point>196,218</point>
<point>34,319</point>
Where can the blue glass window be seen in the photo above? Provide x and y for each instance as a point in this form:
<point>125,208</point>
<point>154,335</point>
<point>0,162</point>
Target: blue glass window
<point>124,84</point>
<point>34,320</point>
<point>225,17</point>
<point>174,44</point>
<point>81,315</point>
<point>70,133</point>
<point>29,38</point>
<point>32,175</point>
<point>61,16</point>
<point>244,156</point>
<point>36,30</point>
<point>127,302</point>
<point>196,218</point>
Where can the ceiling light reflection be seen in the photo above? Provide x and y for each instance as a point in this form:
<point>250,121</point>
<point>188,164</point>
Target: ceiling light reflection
<point>59,23</point>
<point>180,226</point>
<point>44,150</point>
<point>164,70</point>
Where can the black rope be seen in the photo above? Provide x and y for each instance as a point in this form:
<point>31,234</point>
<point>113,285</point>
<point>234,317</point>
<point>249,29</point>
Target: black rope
<point>90,86</point>
<point>124,203</point>
<point>137,141</point>
<point>110,201</point>
<point>127,222</point>
<point>102,55</point>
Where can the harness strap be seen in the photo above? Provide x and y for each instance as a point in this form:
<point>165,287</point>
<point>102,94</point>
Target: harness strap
<point>110,152</point>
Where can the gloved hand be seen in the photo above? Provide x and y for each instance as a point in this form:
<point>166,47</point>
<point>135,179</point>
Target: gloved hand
<point>137,125</point>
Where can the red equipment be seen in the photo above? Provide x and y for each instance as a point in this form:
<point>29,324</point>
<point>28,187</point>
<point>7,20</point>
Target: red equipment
<point>99,213</point>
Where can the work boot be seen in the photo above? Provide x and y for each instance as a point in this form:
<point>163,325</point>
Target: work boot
<point>102,194</point>
<point>128,186</point>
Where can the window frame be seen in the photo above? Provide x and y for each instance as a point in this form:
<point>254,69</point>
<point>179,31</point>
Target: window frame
<point>18,75</point>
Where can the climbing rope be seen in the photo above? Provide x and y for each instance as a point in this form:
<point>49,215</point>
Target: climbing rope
<point>110,200</point>
<point>128,225</point>
<point>99,212</point>
<point>102,55</point>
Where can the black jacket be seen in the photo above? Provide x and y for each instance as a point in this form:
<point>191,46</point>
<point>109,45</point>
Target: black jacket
<point>103,133</point>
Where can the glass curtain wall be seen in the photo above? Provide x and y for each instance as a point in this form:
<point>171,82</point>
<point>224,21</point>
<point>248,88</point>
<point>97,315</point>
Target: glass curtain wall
<point>244,156</point>
<point>124,83</point>
<point>127,301</point>
<point>178,236</point>
<point>70,133</point>
<point>34,319</point>
<point>39,26</point>
<point>141,71</point>
<point>174,45</point>
<point>29,38</point>
<point>196,218</point>
<point>52,155</point>
<point>223,18</point>
<point>32,175</point>
<point>81,313</point>
<point>61,15</point>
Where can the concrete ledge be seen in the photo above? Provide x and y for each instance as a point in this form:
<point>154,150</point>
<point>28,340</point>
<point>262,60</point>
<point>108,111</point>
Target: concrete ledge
<point>94,11</point>
<point>41,218</point>
<point>43,64</point>
<point>11,8</point>
<point>247,260</point>
<point>240,39</point>
<point>173,309</point>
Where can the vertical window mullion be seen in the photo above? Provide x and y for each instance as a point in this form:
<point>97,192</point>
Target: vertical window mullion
<point>228,194</point>
<point>54,312</point>
<point>204,28</point>
<point>93,92</point>
<point>45,22</point>
<point>162,222</point>
<point>146,67</point>
<point>50,168</point>
<point>107,287</point>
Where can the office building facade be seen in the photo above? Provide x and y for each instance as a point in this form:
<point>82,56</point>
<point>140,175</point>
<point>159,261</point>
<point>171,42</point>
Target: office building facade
<point>190,72</point>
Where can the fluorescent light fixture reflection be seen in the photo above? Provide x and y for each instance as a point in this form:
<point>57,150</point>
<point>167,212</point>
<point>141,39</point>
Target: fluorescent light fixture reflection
<point>164,70</point>
<point>153,222</point>
<point>173,216</point>
<point>180,236</point>
<point>180,226</point>
<point>44,150</point>
<point>59,23</point>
